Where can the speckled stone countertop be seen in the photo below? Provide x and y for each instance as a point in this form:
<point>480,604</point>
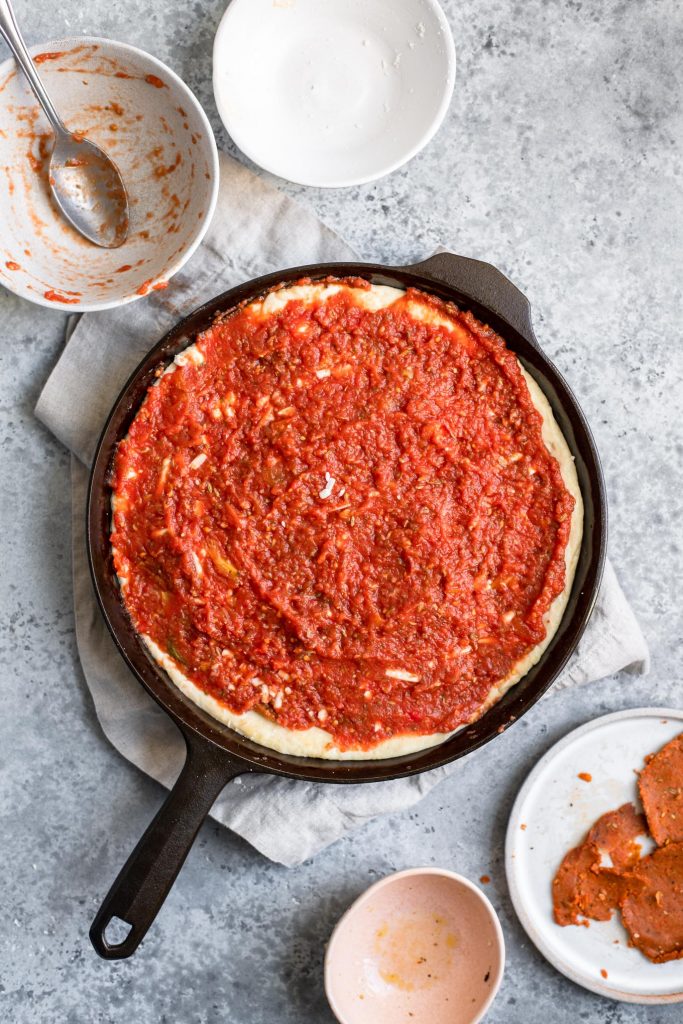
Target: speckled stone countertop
<point>560,162</point>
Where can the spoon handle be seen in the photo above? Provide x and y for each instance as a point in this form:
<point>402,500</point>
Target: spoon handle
<point>10,30</point>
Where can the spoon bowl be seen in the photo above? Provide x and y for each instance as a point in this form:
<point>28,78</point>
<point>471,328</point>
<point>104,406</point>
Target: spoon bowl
<point>87,187</point>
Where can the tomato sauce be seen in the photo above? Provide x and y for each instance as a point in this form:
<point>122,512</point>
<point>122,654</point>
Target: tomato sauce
<point>40,58</point>
<point>52,296</point>
<point>342,518</point>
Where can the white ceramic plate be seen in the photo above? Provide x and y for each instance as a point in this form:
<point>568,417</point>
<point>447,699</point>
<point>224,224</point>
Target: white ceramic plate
<point>556,809</point>
<point>332,92</point>
<point>149,122</point>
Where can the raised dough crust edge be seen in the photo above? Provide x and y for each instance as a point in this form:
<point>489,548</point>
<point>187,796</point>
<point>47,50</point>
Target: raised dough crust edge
<point>316,742</point>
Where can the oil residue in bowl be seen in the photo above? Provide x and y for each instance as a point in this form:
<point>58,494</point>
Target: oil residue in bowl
<point>415,951</point>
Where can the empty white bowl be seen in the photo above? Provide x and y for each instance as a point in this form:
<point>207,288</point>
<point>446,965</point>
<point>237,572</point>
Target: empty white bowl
<point>423,945</point>
<point>152,126</point>
<point>332,92</point>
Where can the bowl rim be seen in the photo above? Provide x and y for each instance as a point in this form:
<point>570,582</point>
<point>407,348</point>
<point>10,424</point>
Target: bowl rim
<point>212,155</point>
<point>396,876</point>
<point>428,133</point>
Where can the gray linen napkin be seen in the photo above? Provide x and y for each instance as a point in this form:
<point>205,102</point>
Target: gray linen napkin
<point>255,230</point>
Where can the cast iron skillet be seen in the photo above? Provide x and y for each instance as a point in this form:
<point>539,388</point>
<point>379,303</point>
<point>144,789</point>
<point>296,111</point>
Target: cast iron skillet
<point>215,753</point>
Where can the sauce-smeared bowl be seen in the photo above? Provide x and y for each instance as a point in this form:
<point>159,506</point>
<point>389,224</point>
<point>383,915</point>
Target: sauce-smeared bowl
<point>423,945</point>
<point>148,121</point>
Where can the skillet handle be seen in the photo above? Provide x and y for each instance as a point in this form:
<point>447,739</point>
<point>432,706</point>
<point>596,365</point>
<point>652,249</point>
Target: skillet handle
<point>485,284</point>
<point>146,878</point>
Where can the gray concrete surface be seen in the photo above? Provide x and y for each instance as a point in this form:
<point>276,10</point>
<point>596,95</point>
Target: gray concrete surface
<point>560,162</point>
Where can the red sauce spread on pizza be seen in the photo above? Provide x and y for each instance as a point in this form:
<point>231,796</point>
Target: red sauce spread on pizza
<point>343,518</point>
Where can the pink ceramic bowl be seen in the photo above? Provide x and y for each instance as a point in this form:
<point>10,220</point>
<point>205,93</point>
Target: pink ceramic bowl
<point>422,946</point>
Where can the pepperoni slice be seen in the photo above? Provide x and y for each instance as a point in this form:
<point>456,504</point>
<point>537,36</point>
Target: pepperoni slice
<point>661,789</point>
<point>652,904</point>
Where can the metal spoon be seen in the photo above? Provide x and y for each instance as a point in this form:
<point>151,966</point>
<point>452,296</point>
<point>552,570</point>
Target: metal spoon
<point>85,183</point>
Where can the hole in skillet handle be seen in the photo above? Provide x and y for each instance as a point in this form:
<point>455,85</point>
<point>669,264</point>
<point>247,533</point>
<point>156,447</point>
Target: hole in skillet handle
<point>112,937</point>
<point>116,932</point>
<point>145,880</point>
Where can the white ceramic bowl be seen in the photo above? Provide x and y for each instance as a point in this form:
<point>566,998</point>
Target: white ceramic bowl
<point>423,945</point>
<point>333,92</point>
<point>149,122</point>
